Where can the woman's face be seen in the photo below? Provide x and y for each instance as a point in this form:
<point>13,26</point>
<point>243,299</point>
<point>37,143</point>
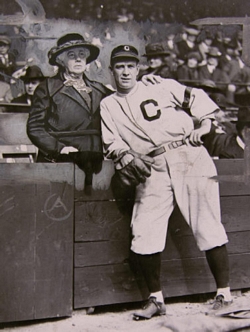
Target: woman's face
<point>212,61</point>
<point>155,61</point>
<point>192,62</point>
<point>74,60</point>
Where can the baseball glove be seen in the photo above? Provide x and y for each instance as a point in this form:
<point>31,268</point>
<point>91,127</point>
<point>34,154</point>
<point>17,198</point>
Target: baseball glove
<point>136,171</point>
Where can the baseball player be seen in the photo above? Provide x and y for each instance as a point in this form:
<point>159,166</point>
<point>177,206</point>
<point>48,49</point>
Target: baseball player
<point>155,147</point>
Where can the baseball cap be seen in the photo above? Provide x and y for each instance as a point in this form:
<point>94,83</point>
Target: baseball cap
<point>124,51</point>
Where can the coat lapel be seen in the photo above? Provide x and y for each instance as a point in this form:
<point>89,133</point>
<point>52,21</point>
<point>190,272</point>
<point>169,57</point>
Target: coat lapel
<point>76,96</point>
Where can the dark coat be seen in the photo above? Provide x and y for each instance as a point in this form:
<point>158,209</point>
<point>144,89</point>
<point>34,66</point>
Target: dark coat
<point>163,71</point>
<point>188,76</point>
<point>218,76</point>
<point>184,49</point>
<point>60,117</point>
<point>9,69</point>
<point>223,146</point>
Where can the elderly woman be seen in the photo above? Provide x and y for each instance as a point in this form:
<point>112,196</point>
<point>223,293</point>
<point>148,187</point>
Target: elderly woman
<point>64,120</point>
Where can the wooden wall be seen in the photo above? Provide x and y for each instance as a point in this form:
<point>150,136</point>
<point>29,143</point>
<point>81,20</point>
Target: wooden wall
<point>36,241</point>
<point>104,270</point>
<point>62,249</point>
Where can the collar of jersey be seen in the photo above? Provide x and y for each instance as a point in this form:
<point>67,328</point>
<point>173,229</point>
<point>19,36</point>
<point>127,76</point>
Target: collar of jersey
<point>135,88</point>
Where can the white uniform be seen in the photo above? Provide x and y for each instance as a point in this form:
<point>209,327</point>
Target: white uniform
<point>144,120</point>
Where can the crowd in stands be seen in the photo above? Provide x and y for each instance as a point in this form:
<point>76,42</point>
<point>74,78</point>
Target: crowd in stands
<point>199,58</point>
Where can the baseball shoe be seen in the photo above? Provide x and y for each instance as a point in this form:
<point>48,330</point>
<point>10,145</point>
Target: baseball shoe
<point>151,308</point>
<point>220,302</point>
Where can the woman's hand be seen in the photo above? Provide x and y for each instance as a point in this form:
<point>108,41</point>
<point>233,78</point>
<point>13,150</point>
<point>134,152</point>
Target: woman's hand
<point>68,149</point>
<point>151,79</point>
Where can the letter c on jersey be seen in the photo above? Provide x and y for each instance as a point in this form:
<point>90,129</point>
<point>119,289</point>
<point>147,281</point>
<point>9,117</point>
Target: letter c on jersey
<point>144,110</point>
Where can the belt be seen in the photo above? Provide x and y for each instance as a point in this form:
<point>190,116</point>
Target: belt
<point>162,149</point>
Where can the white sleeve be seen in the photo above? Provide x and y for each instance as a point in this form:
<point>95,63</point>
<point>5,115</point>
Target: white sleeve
<point>113,145</point>
<point>200,104</point>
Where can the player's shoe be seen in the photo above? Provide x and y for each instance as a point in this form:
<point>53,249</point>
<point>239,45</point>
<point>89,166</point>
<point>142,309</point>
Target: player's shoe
<point>151,308</point>
<point>220,302</point>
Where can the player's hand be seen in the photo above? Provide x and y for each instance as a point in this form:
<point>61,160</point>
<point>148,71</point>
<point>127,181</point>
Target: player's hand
<point>195,137</point>
<point>151,79</point>
<point>68,149</point>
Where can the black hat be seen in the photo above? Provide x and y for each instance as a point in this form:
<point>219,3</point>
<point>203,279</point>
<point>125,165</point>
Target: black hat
<point>69,41</point>
<point>124,51</point>
<point>209,86</point>
<point>5,40</point>
<point>231,44</point>
<point>155,49</point>
<point>214,52</point>
<point>32,73</point>
<point>194,55</point>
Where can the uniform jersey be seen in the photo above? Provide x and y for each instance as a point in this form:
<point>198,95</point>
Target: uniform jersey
<point>152,115</point>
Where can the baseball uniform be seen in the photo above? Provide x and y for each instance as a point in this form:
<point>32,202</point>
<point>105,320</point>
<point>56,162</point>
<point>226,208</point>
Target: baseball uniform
<point>149,117</point>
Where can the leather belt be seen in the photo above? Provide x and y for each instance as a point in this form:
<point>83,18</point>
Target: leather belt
<point>162,149</point>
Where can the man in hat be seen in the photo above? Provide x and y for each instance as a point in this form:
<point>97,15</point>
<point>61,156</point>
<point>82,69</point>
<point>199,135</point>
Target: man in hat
<point>188,44</point>
<point>232,145</point>
<point>31,79</point>
<point>188,72</point>
<point>238,72</point>
<point>211,70</point>
<point>159,60</point>
<point>204,42</point>
<point>156,149</point>
<point>7,59</point>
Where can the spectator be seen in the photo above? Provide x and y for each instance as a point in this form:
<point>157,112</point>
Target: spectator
<point>189,44</point>
<point>156,57</point>
<point>239,74</point>
<point>188,72</point>
<point>211,70</point>
<point>170,42</point>
<point>205,40</point>
<point>64,120</point>
<point>7,59</point>
<point>224,145</point>
<point>32,78</point>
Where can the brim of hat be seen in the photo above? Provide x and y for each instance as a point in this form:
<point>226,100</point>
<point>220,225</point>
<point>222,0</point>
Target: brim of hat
<point>210,88</point>
<point>125,55</point>
<point>192,32</point>
<point>214,56</point>
<point>94,52</point>
<point>5,42</point>
<point>27,79</point>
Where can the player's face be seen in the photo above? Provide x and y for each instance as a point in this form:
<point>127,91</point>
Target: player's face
<point>125,73</point>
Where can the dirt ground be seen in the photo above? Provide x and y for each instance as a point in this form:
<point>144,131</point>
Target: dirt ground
<point>182,316</point>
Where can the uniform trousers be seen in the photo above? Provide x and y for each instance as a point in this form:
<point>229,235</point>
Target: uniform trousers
<point>185,176</point>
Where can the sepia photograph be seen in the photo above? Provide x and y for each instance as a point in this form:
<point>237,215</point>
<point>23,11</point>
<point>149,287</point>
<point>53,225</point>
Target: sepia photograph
<point>124,165</point>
